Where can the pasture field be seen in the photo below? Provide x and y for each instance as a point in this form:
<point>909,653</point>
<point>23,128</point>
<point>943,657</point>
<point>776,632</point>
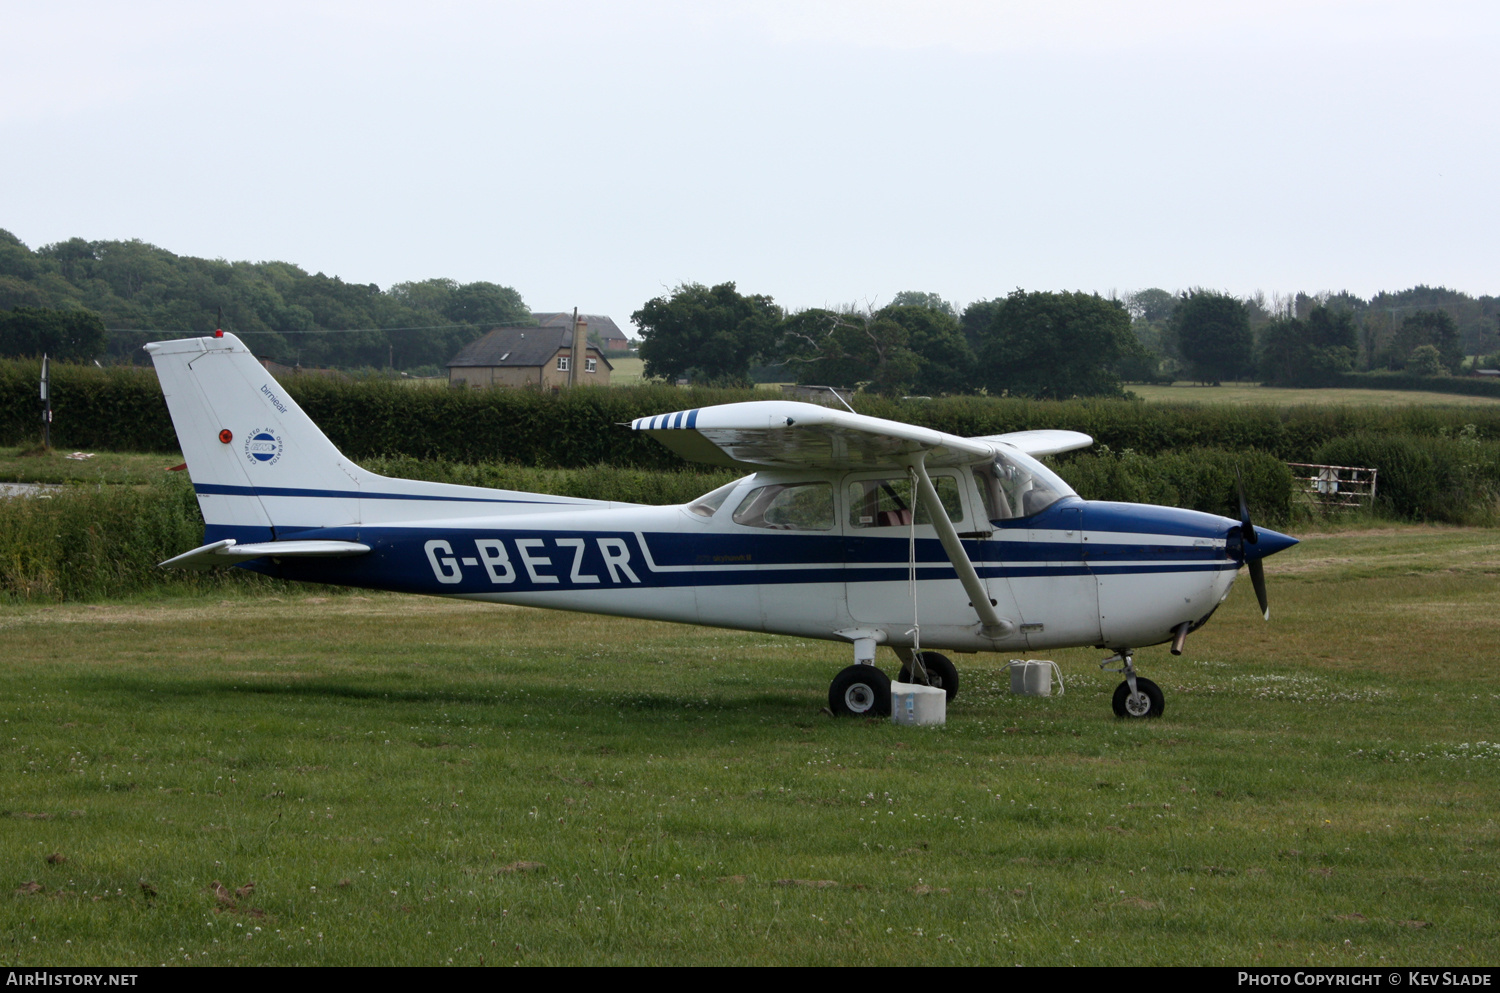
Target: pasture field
<point>626,371</point>
<point>378,779</point>
<point>1278,396</point>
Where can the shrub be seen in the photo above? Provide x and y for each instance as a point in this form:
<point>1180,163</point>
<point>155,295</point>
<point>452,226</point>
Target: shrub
<point>1448,478</point>
<point>85,542</point>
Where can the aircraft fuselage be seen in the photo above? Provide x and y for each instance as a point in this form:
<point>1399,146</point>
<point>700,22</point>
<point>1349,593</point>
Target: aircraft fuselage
<point>1077,573</point>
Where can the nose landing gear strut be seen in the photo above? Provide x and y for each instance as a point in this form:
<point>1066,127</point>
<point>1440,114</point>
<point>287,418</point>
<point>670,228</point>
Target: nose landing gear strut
<point>1137,696</point>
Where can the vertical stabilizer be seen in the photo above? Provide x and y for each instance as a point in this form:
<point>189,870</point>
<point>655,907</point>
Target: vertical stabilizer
<point>261,468</point>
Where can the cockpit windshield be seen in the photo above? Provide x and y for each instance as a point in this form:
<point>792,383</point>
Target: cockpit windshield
<point>1017,485</point>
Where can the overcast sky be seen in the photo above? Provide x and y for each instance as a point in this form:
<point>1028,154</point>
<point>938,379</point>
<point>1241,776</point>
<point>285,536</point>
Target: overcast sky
<point>599,154</point>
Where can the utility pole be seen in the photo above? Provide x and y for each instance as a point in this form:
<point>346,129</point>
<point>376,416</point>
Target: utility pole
<point>575,354</point>
<point>46,404</point>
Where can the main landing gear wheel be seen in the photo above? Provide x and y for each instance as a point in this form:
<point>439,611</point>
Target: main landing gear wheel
<point>1146,701</point>
<point>860,691</point>
<point>940,673</point>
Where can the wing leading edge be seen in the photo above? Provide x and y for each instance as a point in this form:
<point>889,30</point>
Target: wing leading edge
<point>790,435</point>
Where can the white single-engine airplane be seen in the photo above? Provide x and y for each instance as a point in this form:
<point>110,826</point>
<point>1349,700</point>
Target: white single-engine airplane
<point>821,541</point>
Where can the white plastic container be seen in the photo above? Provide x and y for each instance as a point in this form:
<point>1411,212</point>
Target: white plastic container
<point>915,704</point>
<point>1033,677</point>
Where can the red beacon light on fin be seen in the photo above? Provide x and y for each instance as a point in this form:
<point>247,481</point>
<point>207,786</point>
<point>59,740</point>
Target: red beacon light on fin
<point>218,332</point>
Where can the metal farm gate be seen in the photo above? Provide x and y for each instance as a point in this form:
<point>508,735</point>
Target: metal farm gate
<point>1333,486</point>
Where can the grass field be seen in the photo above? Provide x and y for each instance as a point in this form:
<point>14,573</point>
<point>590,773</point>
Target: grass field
<point>392,780</point>
<point>627,371</point>
<point>1252,393</point>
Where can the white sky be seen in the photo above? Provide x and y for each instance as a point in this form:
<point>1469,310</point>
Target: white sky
<point>598,154</point>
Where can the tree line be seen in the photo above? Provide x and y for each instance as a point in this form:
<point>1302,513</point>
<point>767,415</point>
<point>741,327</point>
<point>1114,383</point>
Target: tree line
<point>1050,345</point>
<point>1057,344</point>
<point>1305,339</point>
<point>141,293</point>
<point>59,299</point>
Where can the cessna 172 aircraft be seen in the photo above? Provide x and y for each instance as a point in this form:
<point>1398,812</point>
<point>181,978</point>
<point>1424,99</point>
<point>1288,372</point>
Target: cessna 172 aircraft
<point>848,528</point>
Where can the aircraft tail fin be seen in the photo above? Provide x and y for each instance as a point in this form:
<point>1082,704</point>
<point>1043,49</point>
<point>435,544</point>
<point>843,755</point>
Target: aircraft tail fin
<point>263,471</point>
<point>257,461</point>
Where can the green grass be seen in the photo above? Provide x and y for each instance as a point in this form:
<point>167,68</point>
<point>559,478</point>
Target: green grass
<point>418,781</point>
<point>626,371</point>
<point>1275,396</point>
<point>28,465</point>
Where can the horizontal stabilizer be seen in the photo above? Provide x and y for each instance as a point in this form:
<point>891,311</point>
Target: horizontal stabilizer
<point>228,552</point>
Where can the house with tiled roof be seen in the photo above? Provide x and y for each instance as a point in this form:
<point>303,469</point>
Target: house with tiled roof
<point>609,333</point>
<point>539,357</point>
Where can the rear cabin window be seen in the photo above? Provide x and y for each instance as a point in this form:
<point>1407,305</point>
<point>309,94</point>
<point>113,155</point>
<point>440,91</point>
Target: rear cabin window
<point>885,503</point>
<point>709,503</point>
<point>788,507</point>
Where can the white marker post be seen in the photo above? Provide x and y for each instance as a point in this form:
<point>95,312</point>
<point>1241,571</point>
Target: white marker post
<point>46,404</point>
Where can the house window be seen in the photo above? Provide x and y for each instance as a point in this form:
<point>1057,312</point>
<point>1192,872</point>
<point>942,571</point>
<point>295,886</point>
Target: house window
<point>590,365</point>
<point>562,363</point>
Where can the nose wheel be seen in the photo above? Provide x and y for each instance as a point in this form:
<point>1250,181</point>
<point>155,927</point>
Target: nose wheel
<point>1137,696</point>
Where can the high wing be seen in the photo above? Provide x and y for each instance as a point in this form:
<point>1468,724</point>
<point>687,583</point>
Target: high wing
<point>790,435</point>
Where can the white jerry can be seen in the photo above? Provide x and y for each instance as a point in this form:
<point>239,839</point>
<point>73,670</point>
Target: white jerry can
<point>1033,677</point>
<point>913,703</point>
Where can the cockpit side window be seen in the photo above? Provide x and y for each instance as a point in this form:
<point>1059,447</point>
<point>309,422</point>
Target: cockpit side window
<point>877,503</point>
<point>1016,485</point>
<point>788,507</point>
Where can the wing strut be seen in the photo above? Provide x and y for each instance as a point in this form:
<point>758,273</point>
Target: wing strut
<point>995,626</point>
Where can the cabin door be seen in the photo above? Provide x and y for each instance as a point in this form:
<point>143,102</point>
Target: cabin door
<point>877,521</point>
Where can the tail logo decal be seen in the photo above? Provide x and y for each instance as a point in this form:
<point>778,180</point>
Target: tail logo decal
<point>263,447</point>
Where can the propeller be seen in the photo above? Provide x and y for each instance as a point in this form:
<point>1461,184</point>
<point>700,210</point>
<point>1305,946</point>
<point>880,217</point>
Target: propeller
<point>1251,537</point>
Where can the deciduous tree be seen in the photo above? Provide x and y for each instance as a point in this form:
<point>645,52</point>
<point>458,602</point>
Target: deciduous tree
<point>1212,335</point>
<point>67,335</point>
<point>1053,345</point>
<point>916,298</point>
<point>1428,327</point>
<point>1297,352</point>
<point>709,334</point>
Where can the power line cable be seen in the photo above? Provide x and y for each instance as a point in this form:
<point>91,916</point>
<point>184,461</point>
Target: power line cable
<point>430,327</point>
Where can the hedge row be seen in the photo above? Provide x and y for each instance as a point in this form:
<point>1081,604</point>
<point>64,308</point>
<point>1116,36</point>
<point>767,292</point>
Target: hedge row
<point>1292,434</point>
<point>123,410</point>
